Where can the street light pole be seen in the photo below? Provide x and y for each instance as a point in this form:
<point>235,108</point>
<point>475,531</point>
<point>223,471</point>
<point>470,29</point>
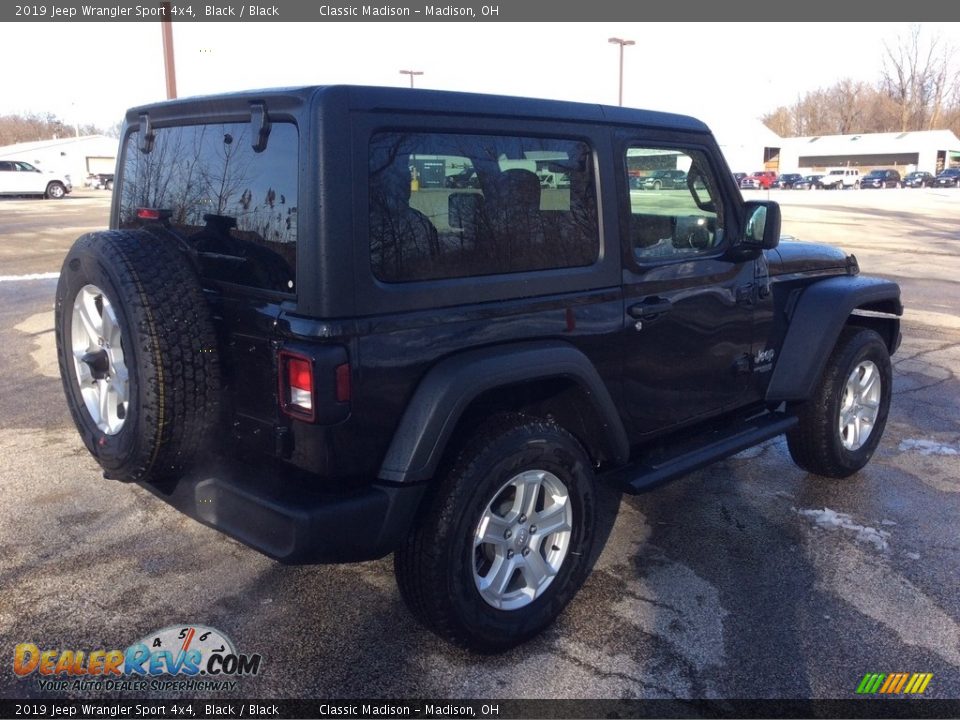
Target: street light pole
<point>411,73</point>
<point>621,42</point>
<point>169,69</point>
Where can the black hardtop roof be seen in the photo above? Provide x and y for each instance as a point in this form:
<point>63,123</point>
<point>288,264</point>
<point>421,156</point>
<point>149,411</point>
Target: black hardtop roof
<point>384,99</point>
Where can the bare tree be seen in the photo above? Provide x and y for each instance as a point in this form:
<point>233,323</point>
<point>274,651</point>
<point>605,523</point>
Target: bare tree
<point>918,75</point>
<point>780,121</point>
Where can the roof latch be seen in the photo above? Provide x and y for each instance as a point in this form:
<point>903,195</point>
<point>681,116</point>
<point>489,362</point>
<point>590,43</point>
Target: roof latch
<point>259,126</point>
<point>147,136</point>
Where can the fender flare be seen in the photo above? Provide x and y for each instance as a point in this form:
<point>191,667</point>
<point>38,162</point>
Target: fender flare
<point>816,321</point>
<point>448,388</point>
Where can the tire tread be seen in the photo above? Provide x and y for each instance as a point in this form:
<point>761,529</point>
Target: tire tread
<point>812,443</point>
<point>420,564</point>
<point>173,330</point>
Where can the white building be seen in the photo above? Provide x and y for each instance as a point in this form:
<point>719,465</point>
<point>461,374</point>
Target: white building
<point>747,144</point>
<point>930,150</point>
<point>75,156</point>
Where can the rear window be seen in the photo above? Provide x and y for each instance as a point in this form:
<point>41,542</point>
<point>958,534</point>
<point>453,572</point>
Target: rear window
<point>236,207</point>
<point>451,205</point>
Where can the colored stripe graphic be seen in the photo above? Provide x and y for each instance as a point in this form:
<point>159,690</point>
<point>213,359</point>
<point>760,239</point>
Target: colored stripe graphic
<point>870,683</point>
<point>892,679</point>
<point>894,683</point>
<point>918,683</point>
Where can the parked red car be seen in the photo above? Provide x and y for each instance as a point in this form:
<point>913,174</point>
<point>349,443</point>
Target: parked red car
<point>762,179</point>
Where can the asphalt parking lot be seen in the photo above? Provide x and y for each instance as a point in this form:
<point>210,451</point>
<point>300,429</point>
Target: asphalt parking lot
<point>749,579</point>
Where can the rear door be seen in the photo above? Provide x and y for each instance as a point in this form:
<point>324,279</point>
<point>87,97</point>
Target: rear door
<point>688,308</point>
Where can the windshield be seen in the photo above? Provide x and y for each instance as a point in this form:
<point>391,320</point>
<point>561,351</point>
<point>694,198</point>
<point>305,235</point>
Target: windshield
<point>875,173</point>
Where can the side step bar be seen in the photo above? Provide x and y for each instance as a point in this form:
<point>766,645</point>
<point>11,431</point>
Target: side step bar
<point>648,473</point>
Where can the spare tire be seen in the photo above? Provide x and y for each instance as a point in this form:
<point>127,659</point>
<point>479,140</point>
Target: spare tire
<point>138,354</point>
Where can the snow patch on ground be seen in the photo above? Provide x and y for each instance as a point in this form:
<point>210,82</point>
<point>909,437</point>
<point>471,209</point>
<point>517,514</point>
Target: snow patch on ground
<point>828,518</point>
<point>927,447</point>
<point>31,276</point>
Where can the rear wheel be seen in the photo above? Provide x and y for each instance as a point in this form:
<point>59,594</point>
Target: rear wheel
<point>137,354</point>
<point>841,424</point>
<point>504,543</point>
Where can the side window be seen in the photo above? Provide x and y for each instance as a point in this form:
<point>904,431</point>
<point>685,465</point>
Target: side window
<point>451,205</point>
<point>674,212</point>
<point>6,166</point>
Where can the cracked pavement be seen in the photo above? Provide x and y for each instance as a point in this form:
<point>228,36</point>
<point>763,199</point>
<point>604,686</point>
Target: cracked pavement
<point>748,579</point>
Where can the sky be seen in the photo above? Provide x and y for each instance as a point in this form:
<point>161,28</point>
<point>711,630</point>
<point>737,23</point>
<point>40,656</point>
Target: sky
<point>726,72</point>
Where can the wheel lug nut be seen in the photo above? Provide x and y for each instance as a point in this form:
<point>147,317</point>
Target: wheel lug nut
<point>533,529</point>
<point>509,554</point>
<point>507,535</point>
<point>523,518</point>
<point>526,551</point>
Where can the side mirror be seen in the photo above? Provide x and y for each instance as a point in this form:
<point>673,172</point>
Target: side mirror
<point>762,230</point>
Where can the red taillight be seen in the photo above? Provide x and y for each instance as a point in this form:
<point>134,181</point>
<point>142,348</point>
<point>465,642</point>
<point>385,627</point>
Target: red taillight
<point>296,386</point>
<point>153,214</point>
<point>313,389</point>
<point>300,376</point>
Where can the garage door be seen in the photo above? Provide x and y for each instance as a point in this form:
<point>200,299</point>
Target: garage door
<point>101,164</point>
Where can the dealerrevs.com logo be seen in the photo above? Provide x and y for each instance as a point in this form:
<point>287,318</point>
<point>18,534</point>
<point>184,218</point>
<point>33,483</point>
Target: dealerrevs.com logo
<point>178,657</point>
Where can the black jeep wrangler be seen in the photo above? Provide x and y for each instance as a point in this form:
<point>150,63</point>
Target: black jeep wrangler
<point>302,329</point>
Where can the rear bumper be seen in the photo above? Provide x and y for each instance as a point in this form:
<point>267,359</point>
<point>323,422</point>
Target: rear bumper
<point>290,521</point>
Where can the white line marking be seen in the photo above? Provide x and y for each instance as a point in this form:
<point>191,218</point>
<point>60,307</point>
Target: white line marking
<point>34,276</point>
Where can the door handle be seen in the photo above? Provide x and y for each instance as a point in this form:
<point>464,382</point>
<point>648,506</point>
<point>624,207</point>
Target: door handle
<point>650,308</point>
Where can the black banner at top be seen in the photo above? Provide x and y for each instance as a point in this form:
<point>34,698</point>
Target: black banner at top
<point>470,11</point>
<point>488,709</point>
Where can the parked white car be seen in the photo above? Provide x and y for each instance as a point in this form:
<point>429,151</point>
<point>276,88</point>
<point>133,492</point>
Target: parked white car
<point>840,178</point>
<point>22,178</point>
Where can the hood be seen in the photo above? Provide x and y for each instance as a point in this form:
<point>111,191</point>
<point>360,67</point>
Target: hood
<point>791,257</point>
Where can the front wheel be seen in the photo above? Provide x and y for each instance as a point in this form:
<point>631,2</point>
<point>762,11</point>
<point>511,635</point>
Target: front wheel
<point>55,191</point>
<point>841,424</point>
<point>504,543</point>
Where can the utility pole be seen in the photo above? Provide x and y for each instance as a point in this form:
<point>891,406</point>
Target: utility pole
<point>170,71</point>
<point>622,43</point>
<point>411,73</point>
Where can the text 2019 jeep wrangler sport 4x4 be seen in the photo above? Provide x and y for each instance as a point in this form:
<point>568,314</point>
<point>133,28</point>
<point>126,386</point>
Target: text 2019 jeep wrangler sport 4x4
<point>445,372</point>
